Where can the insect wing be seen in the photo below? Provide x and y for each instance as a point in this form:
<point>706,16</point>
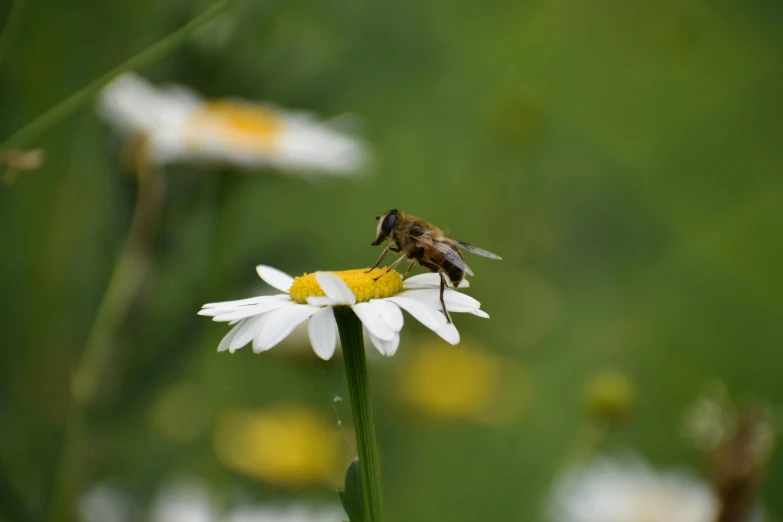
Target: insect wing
<point>472,248</point>
<point>446,251</point>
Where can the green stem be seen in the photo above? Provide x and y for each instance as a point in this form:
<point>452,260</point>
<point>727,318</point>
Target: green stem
<point>150,55</point>
<point>350,328</point>
<point>126,279</point>
<point>9,31</point>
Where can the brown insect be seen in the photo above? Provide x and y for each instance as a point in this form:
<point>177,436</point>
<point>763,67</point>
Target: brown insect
<point>423,243</point>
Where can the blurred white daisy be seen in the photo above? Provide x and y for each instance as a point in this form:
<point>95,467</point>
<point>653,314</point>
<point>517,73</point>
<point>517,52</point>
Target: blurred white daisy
<point>105,502</point>
<point>629,491</point>
<point>176,124</point>
<point>191,502</point>
<point>287,513</point>
<point>267,320</point>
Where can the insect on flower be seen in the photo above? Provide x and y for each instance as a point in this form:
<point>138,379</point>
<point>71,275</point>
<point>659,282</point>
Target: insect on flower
<point>425,244</point>
<point>376,297</point>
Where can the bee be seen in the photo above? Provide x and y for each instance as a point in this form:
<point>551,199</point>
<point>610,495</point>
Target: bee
<point>425,244</point>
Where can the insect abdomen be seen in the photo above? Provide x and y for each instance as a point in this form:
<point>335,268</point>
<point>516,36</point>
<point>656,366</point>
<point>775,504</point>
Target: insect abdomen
<point>441,263</point>
<point>454,272</point>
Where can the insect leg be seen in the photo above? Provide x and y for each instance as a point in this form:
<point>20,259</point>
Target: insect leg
<point>383,254</point>
<point>442,302</point>
<point>389,268</point>
<point>408,271</point>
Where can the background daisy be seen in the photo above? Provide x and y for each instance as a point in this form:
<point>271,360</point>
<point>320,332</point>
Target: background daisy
<point>175,124</point>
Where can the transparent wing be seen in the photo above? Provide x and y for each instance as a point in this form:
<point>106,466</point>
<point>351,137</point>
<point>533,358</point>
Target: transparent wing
<point>472,248</point>
<point>446,251</point>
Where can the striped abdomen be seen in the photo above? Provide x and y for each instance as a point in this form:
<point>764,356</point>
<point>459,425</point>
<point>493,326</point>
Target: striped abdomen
<point>436,261</point>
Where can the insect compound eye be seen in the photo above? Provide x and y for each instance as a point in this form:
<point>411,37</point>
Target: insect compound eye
<point>388,224</point>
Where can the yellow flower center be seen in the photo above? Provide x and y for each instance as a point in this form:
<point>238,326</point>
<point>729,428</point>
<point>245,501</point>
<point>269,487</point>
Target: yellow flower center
<point>242,124</point>
<point>362,284</point>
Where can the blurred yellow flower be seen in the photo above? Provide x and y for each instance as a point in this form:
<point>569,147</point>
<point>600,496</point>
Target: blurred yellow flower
<point>288,444</point>
<point>176,124</point>
<point>465,382</point>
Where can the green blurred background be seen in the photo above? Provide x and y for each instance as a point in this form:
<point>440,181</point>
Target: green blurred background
<point>623,157</point>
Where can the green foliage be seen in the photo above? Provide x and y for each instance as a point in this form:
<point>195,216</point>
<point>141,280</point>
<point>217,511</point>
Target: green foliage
<point>351,494</point>
<point>622,157</point>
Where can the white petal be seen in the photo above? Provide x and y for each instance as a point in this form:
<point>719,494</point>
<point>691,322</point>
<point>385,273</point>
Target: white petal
<point>321,300</point>
<point>428,316</point>
<point>249,329</point>
<point>249,311</point>
<point>279,324</point>
<point>389,312</point>
<point>226,341</point>
<point>449,333</point>
<point>335,288</point>
<point>371,319</point>
<point>323,333</point>
<point>387,348</point>
<point>274,277</point>
<point>455,301</point>
<point>242,302</point>
<point>480,313</point>
<point>428,280</point>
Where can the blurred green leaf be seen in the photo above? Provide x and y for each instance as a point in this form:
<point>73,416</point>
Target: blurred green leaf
<point>351,495</point>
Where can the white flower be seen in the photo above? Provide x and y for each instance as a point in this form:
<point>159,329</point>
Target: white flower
<point>267,320</point>
<point>190,501</point>
<point>287,513</point>
<point>610,491</point>
<point>176,124</point>
<point>105,502</point>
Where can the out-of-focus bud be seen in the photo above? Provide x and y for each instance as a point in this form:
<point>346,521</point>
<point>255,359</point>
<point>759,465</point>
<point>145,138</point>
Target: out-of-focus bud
<point>738,441</point>
<point>16,161</point>
<point>610,397</point>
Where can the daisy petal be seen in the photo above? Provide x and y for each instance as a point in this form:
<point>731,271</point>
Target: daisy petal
<point>279,324</point>
<point>249,311</point>
<point>249,329</point>
<point>321,300</point>
<point>226,341</point>
<point>449,333</point>
<point>275,278</point>
<point>389,312</point>
<point>335,288</point>
<point>387,348</point>
<point>371,319</point>
<point>428,316</point>
<point>455,301</point>
<point>240,302</point>
<point>323,333</point>
<point>430,280</point>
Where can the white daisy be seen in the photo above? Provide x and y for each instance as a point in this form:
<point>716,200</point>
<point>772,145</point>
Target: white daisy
<point>629,491</point>
<point>287,513</point>
<point>191,501</point>
<point>176,124</point>
<point>267,320</point>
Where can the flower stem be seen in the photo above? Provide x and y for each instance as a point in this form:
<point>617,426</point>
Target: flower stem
<point>148,56</point>
<point>350,328</point>
<point>11,26</point>
<point>129,272</point>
